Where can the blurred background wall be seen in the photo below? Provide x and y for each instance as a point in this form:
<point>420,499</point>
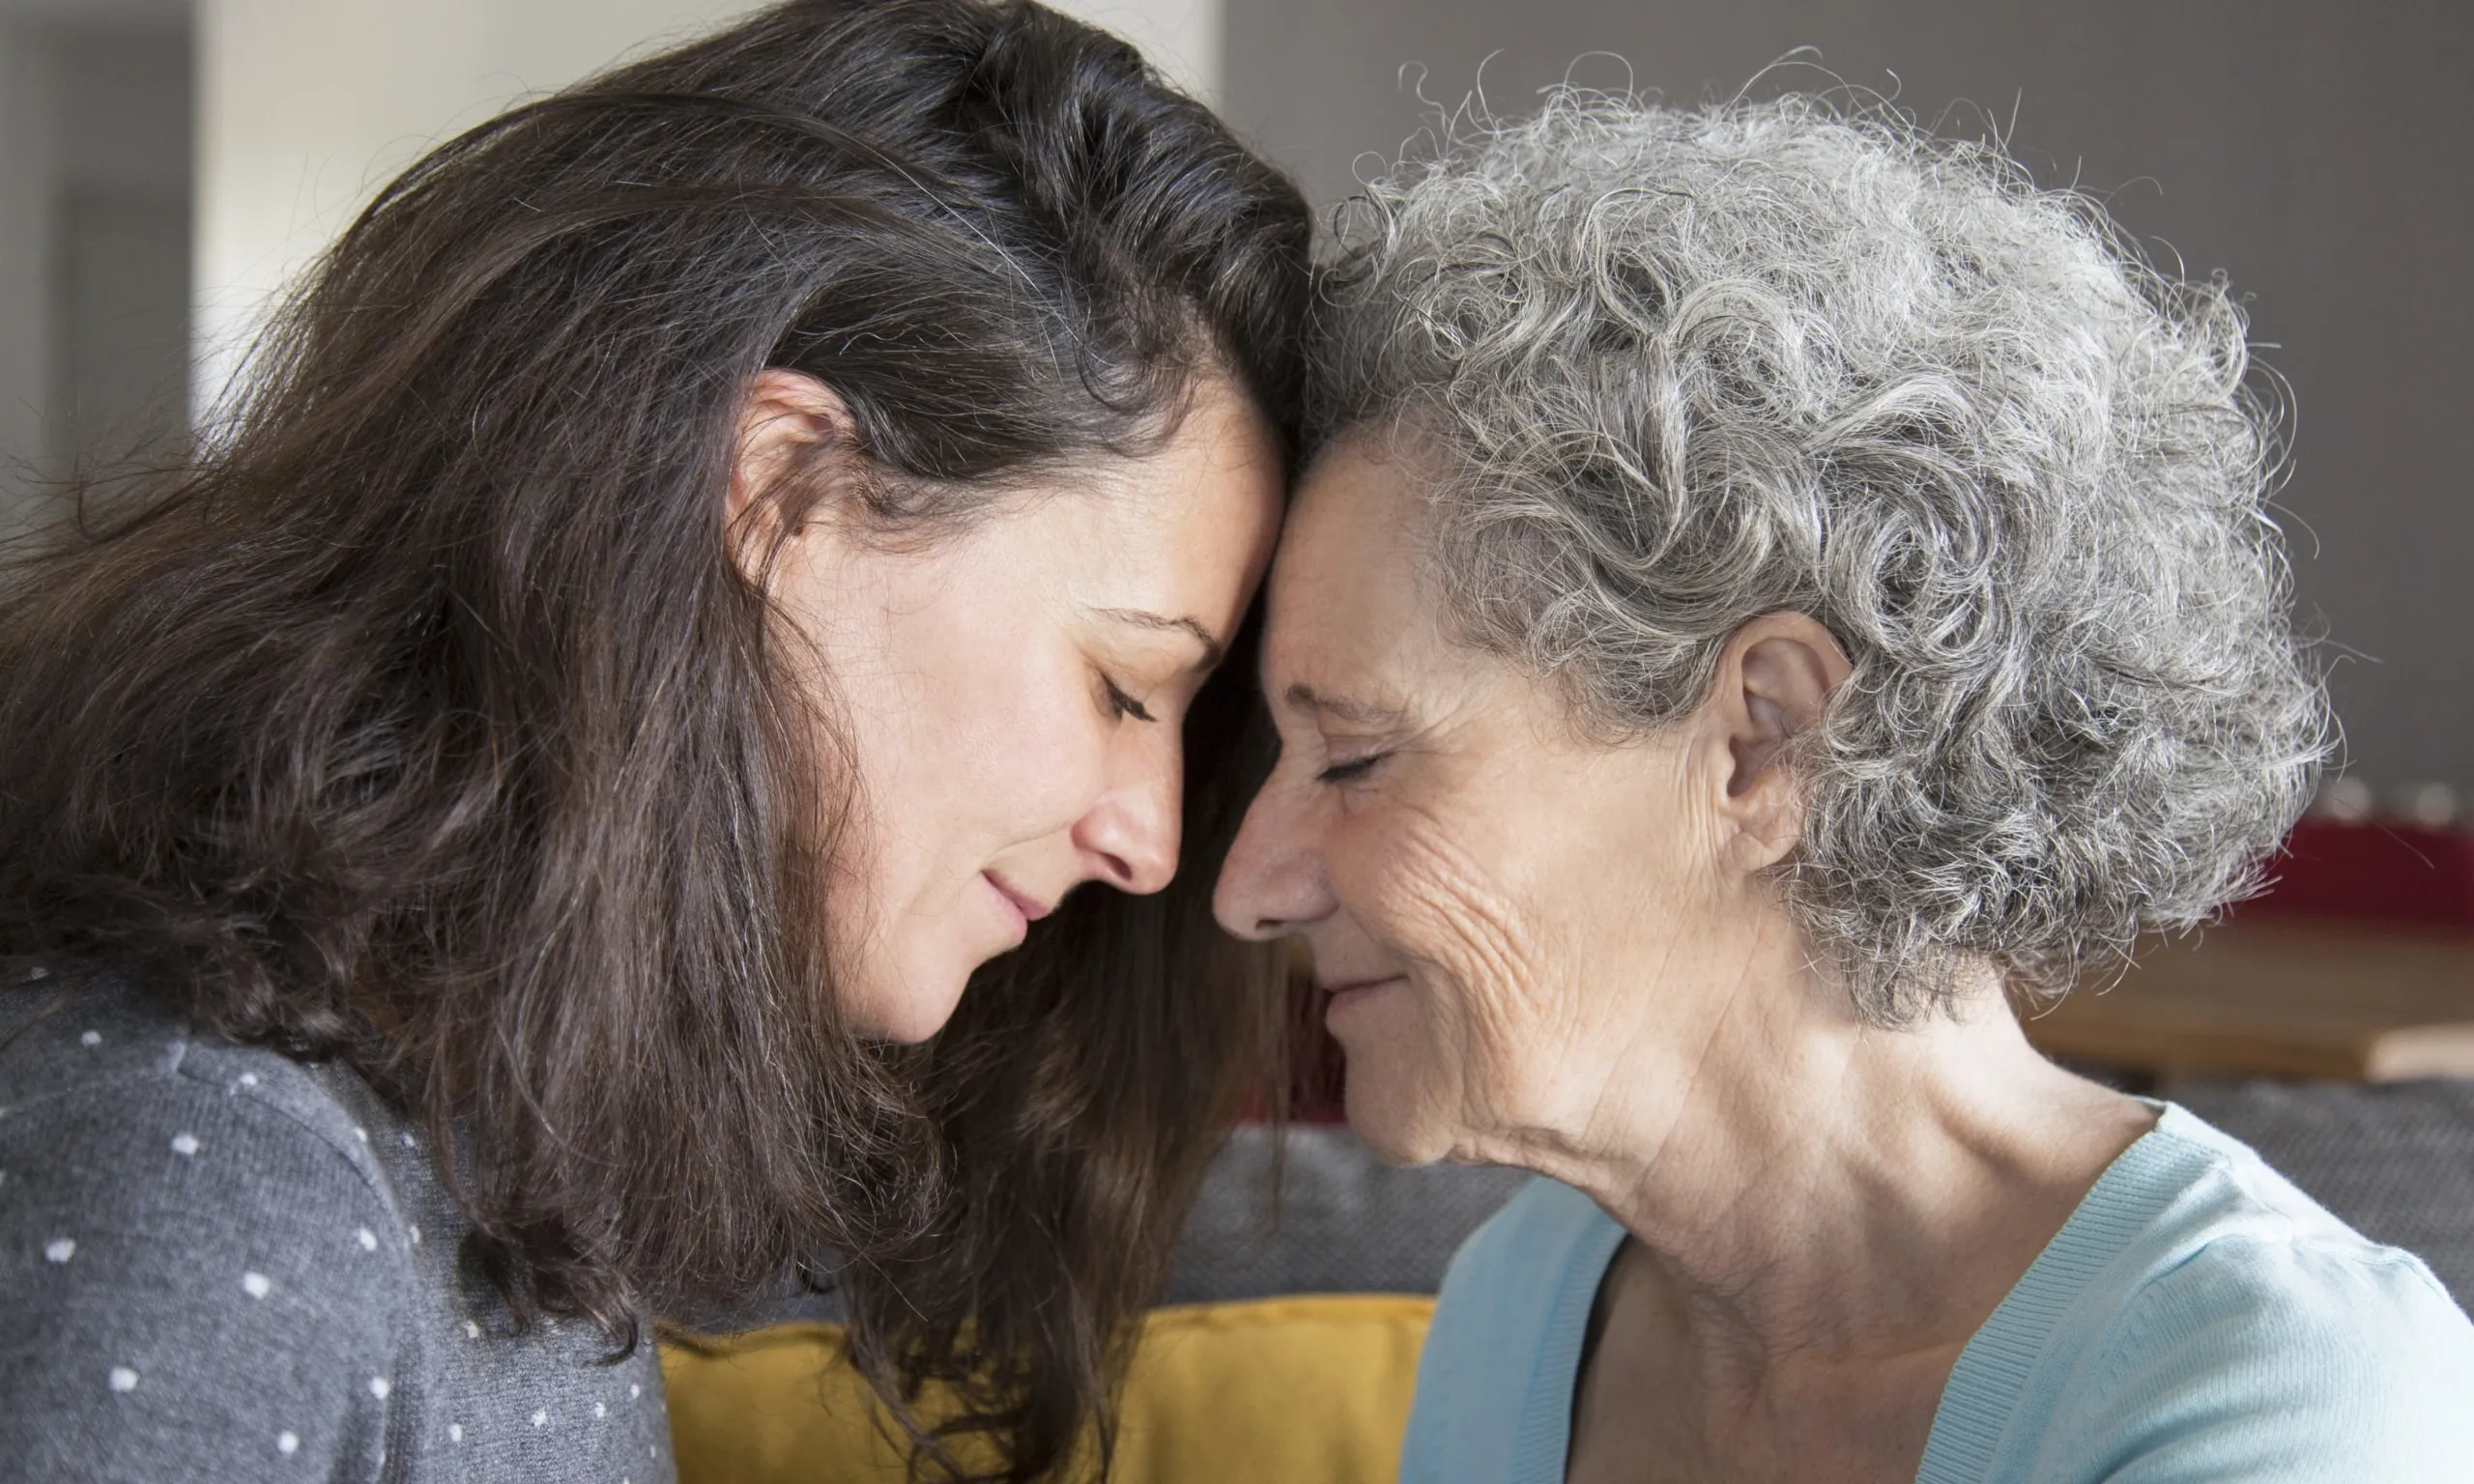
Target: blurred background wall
<point>96,133</point>
<point>306,106</point>
<point>2322,155</point>
<point>164,165</point>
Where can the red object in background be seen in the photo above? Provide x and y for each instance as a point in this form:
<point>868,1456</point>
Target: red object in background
<point>2380,871</point>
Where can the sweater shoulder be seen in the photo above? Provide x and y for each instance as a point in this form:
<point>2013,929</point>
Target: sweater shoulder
<point>2201,1318</point>
<point>106,1045</point>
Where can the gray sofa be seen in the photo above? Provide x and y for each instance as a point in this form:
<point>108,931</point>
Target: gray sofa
<point>2396,1160</point>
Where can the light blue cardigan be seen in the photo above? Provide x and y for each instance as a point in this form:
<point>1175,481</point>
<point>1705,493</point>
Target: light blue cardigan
<point>2196,1320</point>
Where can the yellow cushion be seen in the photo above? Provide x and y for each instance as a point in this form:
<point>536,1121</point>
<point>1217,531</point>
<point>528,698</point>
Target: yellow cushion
<point>1304,1390</point>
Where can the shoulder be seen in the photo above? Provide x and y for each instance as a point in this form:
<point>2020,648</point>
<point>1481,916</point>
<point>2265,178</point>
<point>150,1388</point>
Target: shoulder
<point>120,1126</point>
<point>2326,1358</point>
<point>1495,1379</point>
<point>96,1062</point>
<point>2250,1333</point>
<point>2236,1236</point>
<point>138,1154</point>
<point>192,1253</point>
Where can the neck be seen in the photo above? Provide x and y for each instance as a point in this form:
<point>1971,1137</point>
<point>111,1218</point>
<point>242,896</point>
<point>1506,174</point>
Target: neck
<point>1810,1186</point>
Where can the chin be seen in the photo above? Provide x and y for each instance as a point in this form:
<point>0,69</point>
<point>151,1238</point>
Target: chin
<point>1387,1116</point>
<point>1392,1146</point>
<point>909,1010</point>
<point>1391,1092</point>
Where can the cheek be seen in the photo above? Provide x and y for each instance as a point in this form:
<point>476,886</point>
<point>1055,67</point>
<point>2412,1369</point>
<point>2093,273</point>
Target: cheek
<point>966,737</point>
<point>910,912</point>
<point>1420,888</point>
<point>1485,1015</point>
<point>961,758</point>
<point>1013,747</point>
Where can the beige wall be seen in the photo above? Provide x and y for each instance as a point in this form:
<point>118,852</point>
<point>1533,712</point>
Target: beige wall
<point>306,106</point>
<point>2318,153</point>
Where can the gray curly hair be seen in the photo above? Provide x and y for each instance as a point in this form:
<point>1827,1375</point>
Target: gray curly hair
<point>1681,368</point>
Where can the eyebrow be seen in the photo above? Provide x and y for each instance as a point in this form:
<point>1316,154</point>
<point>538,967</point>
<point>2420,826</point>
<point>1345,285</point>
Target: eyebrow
<point>1305,697</point>
<point>1212,650</point>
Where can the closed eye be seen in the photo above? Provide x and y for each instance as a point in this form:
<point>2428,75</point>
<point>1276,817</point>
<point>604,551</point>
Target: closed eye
<point>1123,704</point>
<point>1347,772</point>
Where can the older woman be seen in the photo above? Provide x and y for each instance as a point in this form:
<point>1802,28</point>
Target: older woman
<point>1779,591</point>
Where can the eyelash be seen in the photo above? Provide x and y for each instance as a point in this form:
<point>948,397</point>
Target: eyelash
<point>1350,771</point>
<point>1125,705</point>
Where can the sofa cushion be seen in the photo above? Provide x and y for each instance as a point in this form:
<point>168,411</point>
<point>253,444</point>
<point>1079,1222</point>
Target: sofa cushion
<point>1313,1390</point>
<point>1345,1221</point>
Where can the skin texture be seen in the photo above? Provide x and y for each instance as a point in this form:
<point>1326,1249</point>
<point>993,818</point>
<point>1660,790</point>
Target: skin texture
<point>1009,697</point>
<point>1564,952</point>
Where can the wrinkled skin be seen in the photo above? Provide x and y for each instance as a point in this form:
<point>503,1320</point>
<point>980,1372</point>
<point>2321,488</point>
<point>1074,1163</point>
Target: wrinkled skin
<point>1439,830</point>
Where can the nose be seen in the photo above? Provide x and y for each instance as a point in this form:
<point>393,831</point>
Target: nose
<point>1274,883</point>
<point>1127,838</point>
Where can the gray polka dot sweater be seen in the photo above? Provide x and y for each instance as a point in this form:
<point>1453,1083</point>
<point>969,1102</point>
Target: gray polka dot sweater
<point>220,1264</point>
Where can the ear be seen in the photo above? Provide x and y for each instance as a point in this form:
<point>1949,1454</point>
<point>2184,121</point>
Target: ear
<point>1774,680</point>
<point>786,422</point>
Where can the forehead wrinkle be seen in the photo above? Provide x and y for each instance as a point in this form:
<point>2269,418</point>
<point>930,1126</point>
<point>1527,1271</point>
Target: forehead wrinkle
<point>1305,697</point>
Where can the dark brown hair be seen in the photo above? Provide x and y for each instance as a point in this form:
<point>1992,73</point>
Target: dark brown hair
<point>424,719</point>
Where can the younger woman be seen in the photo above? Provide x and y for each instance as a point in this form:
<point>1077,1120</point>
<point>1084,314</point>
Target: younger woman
<point>708,567</point>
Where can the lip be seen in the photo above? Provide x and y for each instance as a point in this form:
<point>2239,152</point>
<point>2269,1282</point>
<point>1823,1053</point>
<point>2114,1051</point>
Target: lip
<point>1340,996</point>
<point>1028,907</point>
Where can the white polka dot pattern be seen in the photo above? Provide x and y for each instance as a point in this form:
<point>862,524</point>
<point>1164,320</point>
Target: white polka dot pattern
<point>239,1201</point>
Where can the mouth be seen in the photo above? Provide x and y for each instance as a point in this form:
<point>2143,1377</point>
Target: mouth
<point>1026,906</point>
<point>1338,996</point>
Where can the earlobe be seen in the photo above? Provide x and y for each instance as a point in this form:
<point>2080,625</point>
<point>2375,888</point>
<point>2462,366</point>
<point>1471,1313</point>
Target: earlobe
<point>787,420</point>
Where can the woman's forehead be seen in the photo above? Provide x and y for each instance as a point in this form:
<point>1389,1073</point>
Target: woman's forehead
<point>1344,570</point>
<point>1351,623</point>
